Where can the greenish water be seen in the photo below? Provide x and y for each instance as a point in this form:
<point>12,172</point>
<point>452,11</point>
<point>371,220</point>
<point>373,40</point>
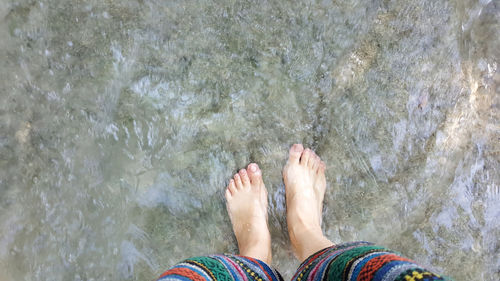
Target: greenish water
<point>122,121</point>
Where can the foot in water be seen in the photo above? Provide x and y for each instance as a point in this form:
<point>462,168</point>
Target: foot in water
<point>305,185</point>
<point>246,198</point>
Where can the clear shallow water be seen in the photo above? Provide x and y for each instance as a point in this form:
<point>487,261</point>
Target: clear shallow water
<point>122,121</point>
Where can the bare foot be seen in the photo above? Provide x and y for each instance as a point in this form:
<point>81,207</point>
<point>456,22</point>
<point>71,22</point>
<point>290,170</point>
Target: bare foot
<point>305,184</point>
<point>246,198</point>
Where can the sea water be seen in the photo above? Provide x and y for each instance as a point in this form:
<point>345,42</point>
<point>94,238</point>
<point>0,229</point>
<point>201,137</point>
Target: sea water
<point>121,123</point>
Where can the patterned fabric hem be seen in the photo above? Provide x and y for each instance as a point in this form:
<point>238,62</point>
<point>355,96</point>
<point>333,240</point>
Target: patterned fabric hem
<point>358,261</point>
<point>225,267</point>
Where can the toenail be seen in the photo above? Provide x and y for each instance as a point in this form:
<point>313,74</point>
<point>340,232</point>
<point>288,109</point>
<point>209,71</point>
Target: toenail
<point>253,167</point>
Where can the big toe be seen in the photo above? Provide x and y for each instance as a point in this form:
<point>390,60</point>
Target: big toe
<point>255,174</point>
<point>295,153</point>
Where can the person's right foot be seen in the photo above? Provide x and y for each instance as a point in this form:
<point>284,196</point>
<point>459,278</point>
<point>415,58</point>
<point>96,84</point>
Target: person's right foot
<point>305,184</point>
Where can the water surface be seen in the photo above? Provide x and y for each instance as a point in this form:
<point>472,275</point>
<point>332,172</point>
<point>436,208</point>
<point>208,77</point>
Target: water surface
<point>122,121</point>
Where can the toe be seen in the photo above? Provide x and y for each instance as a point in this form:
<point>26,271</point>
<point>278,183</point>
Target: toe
<point>237,182</point>
<point>315,162</point>
<point>306,155</point>
<point>244,177</point>
<point>322,167</point>
<point>255,174</point>
<point>312,160</point>
<point>228,195</point>
<point>295,152</point>
<point>231,187</point>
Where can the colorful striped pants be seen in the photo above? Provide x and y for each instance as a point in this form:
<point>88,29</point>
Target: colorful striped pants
<point>348,262</point>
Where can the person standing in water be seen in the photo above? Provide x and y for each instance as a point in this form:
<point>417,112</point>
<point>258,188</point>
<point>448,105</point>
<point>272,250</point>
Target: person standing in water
<point>321,260</point>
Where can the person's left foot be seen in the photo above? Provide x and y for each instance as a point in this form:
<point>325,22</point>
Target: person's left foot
<point>246,198</point>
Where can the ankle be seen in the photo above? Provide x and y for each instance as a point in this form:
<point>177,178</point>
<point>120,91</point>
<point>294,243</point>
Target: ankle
<point>299,226</point>
<point>260,250</point>
<point>306,242</point>
<point>299,234</point>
